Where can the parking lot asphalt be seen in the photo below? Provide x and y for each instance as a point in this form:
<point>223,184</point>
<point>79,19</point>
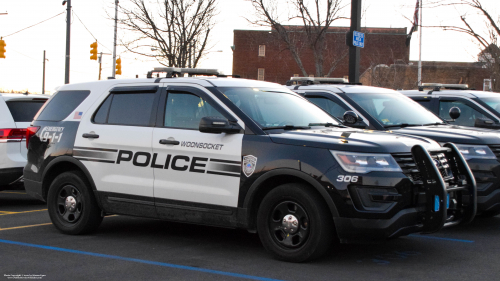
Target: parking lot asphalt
<point>129,248</point>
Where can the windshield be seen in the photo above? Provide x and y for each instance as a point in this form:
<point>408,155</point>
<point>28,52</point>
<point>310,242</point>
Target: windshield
<point>276,108</point>
<point>493,102</point>
<point>393,109</point>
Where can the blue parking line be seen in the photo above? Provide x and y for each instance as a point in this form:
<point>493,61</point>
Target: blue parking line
<point>441,238</point>
<point>204,270</point>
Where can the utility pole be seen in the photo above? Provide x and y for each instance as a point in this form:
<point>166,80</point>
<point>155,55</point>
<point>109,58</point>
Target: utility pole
<point>43,79</point>
<point>100,65</point>
<point>420,47</point>
<point>354,52</point>
<point>113,69</point>
<point>68,29</point>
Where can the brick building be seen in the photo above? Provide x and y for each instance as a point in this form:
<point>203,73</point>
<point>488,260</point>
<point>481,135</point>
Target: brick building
<point>260,54</point>
<point>404,76</point>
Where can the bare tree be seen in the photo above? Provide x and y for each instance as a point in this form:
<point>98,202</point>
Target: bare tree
<point>174,32</point>
<point>486,35</point>
<point>315,19</point>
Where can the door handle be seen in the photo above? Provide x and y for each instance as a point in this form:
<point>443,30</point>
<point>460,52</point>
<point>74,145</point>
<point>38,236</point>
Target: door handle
<point>90,136</point>
<point>174,142</point>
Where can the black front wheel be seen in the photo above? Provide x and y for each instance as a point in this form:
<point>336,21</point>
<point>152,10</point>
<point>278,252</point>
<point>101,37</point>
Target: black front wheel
<point>294,223</point>
<point>71,204</point>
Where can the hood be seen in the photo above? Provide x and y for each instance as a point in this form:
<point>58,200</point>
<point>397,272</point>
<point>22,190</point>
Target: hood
<point>353,140</point>
<point>452,133</point>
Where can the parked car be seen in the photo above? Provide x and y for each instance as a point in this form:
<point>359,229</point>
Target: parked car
<point>476,108</point>
<point>387,110</point>
<point>16,113</point>
<point>237,153</point>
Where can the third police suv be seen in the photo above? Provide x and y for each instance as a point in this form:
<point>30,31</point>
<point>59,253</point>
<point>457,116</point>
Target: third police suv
<point>237,153</point>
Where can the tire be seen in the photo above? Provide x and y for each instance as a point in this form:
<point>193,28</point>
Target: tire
<point>294,224</point>
<point>72,206</point>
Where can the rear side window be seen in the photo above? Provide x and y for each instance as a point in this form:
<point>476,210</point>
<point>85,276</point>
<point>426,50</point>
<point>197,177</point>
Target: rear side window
<point>126,109</point>
<point>61,105</point>
<point>24,111</point>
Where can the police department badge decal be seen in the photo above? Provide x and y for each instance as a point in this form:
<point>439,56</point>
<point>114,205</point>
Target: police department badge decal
<point>249,163</point>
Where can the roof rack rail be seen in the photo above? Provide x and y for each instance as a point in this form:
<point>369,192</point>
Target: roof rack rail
<point>304,81</point>
<point>439,86</point>
<point>180,72</point>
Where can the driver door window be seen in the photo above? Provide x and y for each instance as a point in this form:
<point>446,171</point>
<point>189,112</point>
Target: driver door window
<point>185,110</point>
<point>331,107</point>
<point>468,115</point>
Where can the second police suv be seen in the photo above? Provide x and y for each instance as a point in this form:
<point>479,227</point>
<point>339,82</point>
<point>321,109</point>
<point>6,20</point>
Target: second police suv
<point>387,110</point>
<point>236,153</point>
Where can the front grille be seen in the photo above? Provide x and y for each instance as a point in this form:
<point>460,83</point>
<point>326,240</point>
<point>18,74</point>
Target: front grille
<point>410,169</point>
<point>496,149</point>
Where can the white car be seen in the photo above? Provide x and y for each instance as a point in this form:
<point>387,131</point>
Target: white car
<point>16,113</point>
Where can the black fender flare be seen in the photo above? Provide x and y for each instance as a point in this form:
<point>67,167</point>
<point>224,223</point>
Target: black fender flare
<point>290,172</point>
<point>80,165</point>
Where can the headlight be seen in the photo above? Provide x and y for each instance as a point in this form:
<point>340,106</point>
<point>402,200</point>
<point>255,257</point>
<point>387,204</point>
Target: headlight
<point>354,162</point>
<point>476,151</point>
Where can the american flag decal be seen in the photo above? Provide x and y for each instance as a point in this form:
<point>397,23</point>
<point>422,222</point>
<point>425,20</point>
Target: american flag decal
<point>78,115</point>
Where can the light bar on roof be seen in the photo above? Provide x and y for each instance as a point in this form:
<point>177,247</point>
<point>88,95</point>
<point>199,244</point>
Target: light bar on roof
<point>320,79</point>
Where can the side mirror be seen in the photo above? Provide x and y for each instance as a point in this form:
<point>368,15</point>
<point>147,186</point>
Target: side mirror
<point>350,117</point>
<point>217,125</point>
<point>454,112</point>
<point>486,123</point>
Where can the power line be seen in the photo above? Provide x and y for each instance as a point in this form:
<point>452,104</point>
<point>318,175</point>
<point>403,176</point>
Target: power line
<point>89,31</point>
<point>33,25</point>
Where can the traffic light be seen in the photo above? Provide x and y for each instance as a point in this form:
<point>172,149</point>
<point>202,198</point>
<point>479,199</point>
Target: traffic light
<point>93,51</point>
<point>2,49</point>
<point>118,66</point>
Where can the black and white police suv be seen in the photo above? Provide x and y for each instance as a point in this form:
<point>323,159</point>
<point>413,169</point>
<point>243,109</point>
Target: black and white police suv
<point>236,153</point>
<point>388,110</point>
<point>477,108</point>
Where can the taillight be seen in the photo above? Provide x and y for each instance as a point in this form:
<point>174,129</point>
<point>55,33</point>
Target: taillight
<point>30,132</point>
<point>12,134</point>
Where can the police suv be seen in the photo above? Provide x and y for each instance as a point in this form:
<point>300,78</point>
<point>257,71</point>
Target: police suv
<point>237,153</point>
<point>387,110</point>
<point>477,108</point>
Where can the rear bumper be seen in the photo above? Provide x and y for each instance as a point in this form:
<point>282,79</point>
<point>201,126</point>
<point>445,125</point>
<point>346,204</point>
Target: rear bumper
<point>10,175</point>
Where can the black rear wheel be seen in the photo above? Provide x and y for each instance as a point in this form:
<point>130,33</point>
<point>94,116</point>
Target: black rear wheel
<point>71,204</point>
<point>294,223</point>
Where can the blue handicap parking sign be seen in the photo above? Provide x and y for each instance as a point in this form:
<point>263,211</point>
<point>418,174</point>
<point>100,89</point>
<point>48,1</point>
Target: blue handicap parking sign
<point>358,39</point>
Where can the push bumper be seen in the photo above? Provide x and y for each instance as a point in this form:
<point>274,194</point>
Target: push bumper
<point>434,210</point>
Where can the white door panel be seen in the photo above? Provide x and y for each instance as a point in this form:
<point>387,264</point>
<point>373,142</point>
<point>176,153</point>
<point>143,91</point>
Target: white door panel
<point>100,157</point>
<point>203,168</point>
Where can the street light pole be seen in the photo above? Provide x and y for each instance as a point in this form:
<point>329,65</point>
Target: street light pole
<point>113,69</point>
<point>68,29</point>
<point>43,79</point>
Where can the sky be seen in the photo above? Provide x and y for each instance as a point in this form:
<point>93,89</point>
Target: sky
<point>22,68</point>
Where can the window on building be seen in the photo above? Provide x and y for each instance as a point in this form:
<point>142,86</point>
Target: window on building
<point>311,75</point>
<point>295,75</point>
<point>260,74</point>
<point>262,50</point>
